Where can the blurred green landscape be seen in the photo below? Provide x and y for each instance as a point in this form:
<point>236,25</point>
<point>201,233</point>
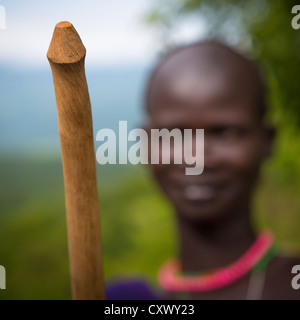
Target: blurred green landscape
<point>136,229</point>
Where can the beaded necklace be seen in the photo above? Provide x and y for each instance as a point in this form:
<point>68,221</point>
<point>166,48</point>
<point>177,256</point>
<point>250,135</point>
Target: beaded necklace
<point>254,258</point>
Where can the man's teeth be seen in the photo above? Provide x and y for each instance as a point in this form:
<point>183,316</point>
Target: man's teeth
<point>196,192</point>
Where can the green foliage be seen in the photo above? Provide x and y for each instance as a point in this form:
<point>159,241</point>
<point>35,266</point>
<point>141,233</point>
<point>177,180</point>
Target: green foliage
<point>137,227</point>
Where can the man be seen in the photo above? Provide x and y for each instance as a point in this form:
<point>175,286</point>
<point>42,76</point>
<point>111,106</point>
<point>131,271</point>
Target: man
<point>210,86</point>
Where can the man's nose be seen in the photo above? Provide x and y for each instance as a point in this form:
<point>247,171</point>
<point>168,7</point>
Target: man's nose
<point>189,151</point>
<point>208,151</point>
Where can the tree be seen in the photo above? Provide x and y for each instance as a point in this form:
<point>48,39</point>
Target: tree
<point>261,28</point>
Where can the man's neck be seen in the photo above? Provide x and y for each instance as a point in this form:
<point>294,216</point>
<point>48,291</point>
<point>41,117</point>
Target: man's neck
<point>214,245</point>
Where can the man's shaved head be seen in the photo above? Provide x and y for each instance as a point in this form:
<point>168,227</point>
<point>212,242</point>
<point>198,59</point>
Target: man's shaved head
<point>194,67</point>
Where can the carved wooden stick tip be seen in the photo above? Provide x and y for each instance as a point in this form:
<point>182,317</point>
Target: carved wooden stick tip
<point>66,45</point>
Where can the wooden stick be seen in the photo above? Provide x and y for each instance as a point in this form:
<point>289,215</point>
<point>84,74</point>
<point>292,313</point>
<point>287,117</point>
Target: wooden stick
<point>66,55</point>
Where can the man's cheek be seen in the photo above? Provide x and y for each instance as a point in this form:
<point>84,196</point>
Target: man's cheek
<point>246,161</point>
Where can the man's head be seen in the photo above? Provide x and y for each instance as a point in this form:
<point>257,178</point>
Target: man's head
<point>209,86</point>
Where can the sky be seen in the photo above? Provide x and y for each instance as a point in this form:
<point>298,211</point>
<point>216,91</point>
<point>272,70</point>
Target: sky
<point>113,31</point>
<point>116,38</point>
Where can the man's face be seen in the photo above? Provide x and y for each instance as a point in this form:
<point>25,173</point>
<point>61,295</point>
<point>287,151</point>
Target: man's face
<point>235,143</point>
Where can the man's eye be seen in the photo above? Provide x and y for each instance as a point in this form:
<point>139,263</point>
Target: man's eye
<point>227,134</point>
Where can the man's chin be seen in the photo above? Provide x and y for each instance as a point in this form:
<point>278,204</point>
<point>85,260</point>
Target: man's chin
<point>203,211</point>
<point>200,217</point>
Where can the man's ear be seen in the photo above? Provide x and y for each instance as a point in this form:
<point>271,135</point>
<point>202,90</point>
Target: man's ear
<point>270,133</point>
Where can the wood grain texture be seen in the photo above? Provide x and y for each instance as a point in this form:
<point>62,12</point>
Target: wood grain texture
<point>66,55</point>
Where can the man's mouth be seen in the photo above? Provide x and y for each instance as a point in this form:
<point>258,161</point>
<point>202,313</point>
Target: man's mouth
<point>196,192</point>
